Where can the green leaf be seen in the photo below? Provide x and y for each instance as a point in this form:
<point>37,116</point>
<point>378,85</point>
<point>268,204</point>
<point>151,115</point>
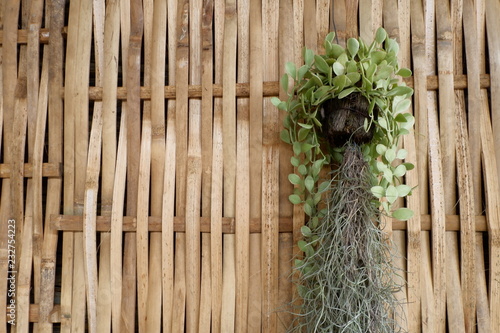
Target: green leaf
<point>302,135</point>
<point>285,136</point>
<point>353,46</point>
<point>382,123</point>
<point>381,35</point>
<point>306,231</point>
<point>294,161</point>
<point>338,68</point>
<point>388,175</point>
<point>306,147</point>
<point>346,92</point>
<point>400,91</point>
<point>316,167</point>
<point>402,106</point>
<point>391,193</point>
<point>314,222</point>
<point>309,183</point>
<point>404,72</point>
<point>330,37</point>
<point>291,69</point>
<point>308,57</point>
<point>378,191</point>
<point>302,245</point>
<point>378,56</point>
<point>400,171</point>
<point>381,149</point>
<point>339,82</point>
<point>353,77</point>
<point>409,166</point>
<point>401,154</point>
<point>294,179</point>
<point>302,169</point>
<point>337,50</point>
<point>402,214</point>
<point>284,82</point>
<point>295,199</point>
<point>390,155</point>
<point>403,190</point>
<point>307,126</point>
<point>323,186</point>
<point>297,148</point>
<point>321,64</point>
<point>302,71</point>
<point>308,209</point>
<point>275,100</point>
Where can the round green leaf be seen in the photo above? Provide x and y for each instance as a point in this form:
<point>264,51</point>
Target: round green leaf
<point>303,132</point>
<point>403,190</point>
<point>338,68</point>
<point>321,64</point>
<point>380,35</point>
<point>308,57</point>
<point>391,193</point>
<point>302,169</point>
<point>402,106</point>
<point>378,191</point>
<point>381,149</point>
<point>323,186</point>
<point>402,214</point>
<point>306,231</point>
<point>353,46</point>
<point>294,179</point>
<point>404,72</point>
<point>295,199</point>
<point>401,154</point>
<point>285,136</point>
<point>400,171</point>
<point>276,101</point>
<point>291,69</point>
<point>294,161</point>
<point>309,183</point>
<point>308,209</point>
<point>390,155</point>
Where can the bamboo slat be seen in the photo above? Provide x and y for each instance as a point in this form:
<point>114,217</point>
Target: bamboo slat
<point>55,120</point>
<point>242,196</point>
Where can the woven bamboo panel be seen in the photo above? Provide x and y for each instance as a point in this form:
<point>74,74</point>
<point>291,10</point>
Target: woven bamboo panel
<point>144,186</point>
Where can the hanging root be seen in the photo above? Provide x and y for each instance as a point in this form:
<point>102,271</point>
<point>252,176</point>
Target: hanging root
<point>347,284</point>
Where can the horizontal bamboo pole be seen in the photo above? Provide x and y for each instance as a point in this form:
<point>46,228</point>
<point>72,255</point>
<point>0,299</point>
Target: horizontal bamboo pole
<point>51,170</point>
<point>74,223</point>
<point>269,88</point>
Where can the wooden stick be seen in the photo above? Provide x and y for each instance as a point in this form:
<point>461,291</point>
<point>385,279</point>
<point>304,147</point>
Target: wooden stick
<point>52,206</point>
<point>494,47</point>
<point>168,209</point>
<point>270,174</point>
<point>156,72</point>
<point>242,211</point>
<point>229,153</point>
<point>206,159</point>
<point>193,186</point>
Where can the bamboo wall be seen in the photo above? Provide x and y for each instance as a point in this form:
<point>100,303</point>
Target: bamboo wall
<point>142,167</point>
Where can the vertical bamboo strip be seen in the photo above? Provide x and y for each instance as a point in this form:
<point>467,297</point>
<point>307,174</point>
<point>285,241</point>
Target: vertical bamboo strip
<point>229,161</point>
<point>492,25</point>
<point>206,159</point>
<point>168,209</point>
<point>310,40</point>
<point>109,293</point>
<point>370,18</point>
<point>116,241</point>
<point>242,196</point>
<point>270,174</point>
<point>157,82</point>
<point>216,211</point>
<point>92,186</point>
<point>144,269</point>
<point>286,209</point>
<point>193,186</point>
<point>420,110</point>
<point>37,117</point>
<point>255,160</point>
<point>73,293</point>
<point>10,15</point>
<point>52,205</point>
<point>133,27</point>
<point>447,136</point>
<point>322,22</point>
<point>181,126</point>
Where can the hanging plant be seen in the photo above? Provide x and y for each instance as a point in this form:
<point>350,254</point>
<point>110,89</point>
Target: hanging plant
<point>347,109</point>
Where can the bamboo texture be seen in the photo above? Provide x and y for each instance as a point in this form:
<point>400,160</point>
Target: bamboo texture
<point>140,160</point>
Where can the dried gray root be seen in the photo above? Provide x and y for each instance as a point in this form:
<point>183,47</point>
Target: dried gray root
<point>351,287</point>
